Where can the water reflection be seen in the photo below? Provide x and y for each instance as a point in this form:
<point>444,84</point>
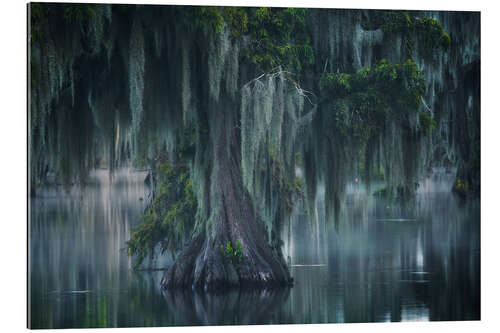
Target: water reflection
<point>382,262</point>
<point>236,307</point>
<point>387,261</point>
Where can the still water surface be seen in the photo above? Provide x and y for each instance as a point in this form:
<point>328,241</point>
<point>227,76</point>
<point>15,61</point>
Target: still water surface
<point>381,262</point>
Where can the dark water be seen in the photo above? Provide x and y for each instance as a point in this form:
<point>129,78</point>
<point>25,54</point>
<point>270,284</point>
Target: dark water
<point>381,262</point>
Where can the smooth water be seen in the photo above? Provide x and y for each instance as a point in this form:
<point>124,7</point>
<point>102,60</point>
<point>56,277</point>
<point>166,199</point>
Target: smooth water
<point>381,262</point>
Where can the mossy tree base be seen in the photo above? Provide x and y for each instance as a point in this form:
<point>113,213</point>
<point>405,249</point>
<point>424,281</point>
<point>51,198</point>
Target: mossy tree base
<point>231,246</point>
<point>202,266</point>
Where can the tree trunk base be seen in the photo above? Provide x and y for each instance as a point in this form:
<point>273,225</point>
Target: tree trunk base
<point>203,265</point>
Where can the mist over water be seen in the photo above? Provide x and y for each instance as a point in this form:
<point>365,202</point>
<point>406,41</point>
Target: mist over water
<point>386,261</point>
<point>382,261</point>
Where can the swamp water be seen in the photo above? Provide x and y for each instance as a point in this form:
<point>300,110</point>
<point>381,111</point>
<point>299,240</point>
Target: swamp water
<point>380,262</point>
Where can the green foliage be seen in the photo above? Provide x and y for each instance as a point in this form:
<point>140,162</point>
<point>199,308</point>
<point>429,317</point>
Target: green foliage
<point>461,187</point>
<point>214,18</point>
<point>398,22</point>
<point>445,40</point>
<point>337,84</point>
<point>279,37</point>
<point>299,186</point>
<point>203,16</point>
<point>78,13</point>
<point>365,99</point>
<point>385,79</point>
<point>69,13</point>
<point>236,19</point>
<point>232,255</point>
<point>427,31</point>
<point>426,122</point>
<point>431,36</point>
<point>170,219</point>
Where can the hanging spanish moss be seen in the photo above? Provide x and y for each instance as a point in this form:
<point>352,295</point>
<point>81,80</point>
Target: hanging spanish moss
<point>247,118</point>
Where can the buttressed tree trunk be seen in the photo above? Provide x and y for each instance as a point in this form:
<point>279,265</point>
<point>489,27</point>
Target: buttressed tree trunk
<point>231,246</point>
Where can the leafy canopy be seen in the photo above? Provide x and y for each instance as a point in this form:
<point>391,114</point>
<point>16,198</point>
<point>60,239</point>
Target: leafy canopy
<point>366,99</point>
